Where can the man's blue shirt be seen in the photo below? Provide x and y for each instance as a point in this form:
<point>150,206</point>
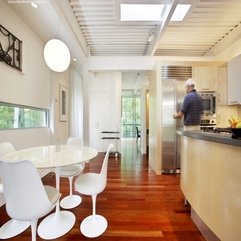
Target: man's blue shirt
<point>192,108</point>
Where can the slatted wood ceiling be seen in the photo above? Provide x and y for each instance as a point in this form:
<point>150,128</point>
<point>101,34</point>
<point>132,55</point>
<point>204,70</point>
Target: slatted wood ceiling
<point>207,29</point>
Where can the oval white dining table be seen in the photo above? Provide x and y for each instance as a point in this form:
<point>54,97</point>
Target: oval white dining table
<point>53,157</point>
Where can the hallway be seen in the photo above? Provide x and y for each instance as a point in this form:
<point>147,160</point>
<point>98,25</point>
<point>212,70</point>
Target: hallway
<point>138,204</point>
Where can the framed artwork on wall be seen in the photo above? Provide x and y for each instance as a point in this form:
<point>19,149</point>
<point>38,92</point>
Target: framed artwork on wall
<point>62,103</point>
<point>10,49</point>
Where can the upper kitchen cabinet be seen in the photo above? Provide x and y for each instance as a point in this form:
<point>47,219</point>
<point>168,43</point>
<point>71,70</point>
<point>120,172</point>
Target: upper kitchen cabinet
<point>234,81</point>
<point>211,78</point>
<point>205,78</point>
<point>221,86</point>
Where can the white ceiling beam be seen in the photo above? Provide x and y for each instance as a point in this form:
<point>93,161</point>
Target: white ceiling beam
<point>169,9</point>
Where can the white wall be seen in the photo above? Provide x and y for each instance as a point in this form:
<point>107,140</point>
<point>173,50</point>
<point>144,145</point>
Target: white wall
<point>137,63</point>
<point>143,120</point>
<point>35,86</point>
<point>76,103</point>
<point>59,129</point>
<point>128,80</point>
<point>155,121</point>
<point>86,81</point>
<point>104,106</point>
<point>31,86</point>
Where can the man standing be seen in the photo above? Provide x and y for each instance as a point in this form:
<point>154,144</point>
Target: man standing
<point>192,107</point>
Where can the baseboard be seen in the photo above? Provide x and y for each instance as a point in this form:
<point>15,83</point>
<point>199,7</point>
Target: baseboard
<point>207,233</point>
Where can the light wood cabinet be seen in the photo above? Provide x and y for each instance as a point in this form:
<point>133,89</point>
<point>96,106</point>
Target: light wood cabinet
<point>221,86</point>
<point>210,181</point>
<point>234,81</point>
<point>212,78</point>
<point>205,78</point>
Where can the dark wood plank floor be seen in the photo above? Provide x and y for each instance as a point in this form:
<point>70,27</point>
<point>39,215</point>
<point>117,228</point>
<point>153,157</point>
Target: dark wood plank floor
<point>138,204</point>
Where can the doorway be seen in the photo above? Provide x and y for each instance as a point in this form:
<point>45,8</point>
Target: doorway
<point>130,116</point>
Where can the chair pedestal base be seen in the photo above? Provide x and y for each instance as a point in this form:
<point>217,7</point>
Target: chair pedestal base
<point>13,228</point>
<point>56,225</point>
<point>93,226</point>
<point>71,201</point>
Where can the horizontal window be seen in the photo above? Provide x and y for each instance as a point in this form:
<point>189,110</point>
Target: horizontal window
<point>16,116</point>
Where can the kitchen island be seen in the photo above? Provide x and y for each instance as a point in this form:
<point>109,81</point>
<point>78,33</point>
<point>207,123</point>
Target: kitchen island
<point>211,182</point>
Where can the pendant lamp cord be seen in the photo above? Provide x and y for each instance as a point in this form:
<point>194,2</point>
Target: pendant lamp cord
<point>60,17</point>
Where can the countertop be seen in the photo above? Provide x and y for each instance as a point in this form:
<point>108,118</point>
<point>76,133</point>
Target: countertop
<point>222,138</point>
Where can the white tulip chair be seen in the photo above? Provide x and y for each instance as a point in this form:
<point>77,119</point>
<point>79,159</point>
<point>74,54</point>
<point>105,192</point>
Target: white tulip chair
<point>12,227</point>
<point>93,184</point>
<point>27,199</point>
<point>72,201</point>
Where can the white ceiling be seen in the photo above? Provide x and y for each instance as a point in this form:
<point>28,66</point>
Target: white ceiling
<point>93,28</point>
<point>206,29</point>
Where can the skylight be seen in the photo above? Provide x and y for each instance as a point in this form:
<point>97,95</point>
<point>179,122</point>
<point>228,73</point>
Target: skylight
<point>141,12</point>
<point>180,12</point>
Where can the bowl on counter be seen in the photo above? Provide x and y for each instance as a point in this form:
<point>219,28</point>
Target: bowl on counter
<point>236,133</point>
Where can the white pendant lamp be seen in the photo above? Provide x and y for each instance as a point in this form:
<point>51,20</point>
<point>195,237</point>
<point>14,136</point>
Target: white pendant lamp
<point>56,55</point>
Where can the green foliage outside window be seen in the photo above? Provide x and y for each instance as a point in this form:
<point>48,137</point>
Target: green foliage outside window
<point>131,112</point>
<point>15,116</point>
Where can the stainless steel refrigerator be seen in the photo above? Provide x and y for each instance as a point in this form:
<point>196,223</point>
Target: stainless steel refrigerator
<point>172,95</point>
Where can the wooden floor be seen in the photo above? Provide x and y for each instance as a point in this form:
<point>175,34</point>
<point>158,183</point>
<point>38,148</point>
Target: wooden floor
<point>138,204</point>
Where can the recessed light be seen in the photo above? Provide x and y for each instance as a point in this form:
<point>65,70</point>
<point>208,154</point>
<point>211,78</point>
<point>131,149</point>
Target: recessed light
<point>141,12</point>
<point>180,12</point>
